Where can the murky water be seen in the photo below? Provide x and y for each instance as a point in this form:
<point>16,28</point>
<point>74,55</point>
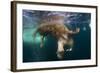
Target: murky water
<point>31,48</point>
<point>33,53</point>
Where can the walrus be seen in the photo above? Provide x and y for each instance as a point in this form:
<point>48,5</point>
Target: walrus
<point>60,32</point>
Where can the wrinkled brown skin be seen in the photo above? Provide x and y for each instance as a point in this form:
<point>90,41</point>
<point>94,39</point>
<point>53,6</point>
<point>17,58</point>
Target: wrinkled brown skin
<point>59,31</point>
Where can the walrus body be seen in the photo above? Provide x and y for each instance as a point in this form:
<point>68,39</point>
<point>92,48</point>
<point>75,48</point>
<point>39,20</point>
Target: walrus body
<point>59,31</point>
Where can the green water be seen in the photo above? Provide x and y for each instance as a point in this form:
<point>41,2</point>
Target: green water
<point>32,52</point>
